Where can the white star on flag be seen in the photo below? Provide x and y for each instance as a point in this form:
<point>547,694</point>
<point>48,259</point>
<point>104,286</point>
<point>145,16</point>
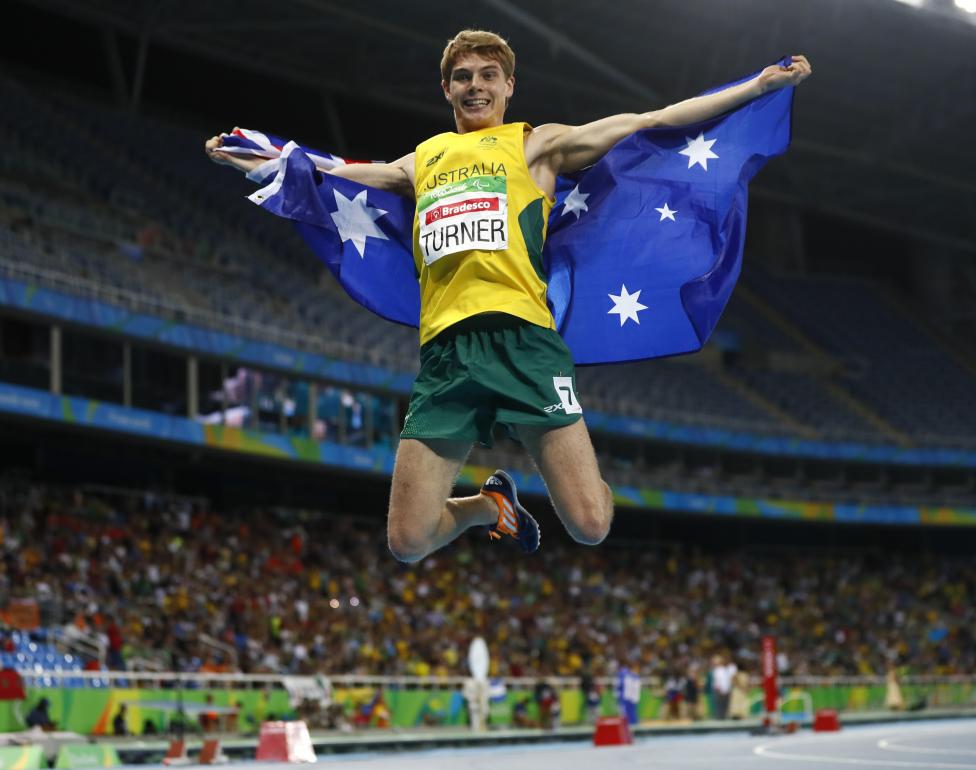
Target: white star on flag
<point>699,150</point>
<point>626,305</point>
<point>666,213</point>
<point>356,221</point>
<point>575,202</point>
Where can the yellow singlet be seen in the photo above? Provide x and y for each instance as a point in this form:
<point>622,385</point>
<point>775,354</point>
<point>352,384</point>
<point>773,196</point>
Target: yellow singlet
<point>478,229</point>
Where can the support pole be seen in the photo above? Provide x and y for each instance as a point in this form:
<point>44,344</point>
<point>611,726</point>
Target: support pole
<point>110,43</point>
<point>770,686</point>
<point>139,72</point>
<point>55,359</point>
<point>313,401</point>
<point>126,373</point>
<point>192,388</point>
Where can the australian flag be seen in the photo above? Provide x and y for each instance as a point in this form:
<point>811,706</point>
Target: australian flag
<point>644,247</point>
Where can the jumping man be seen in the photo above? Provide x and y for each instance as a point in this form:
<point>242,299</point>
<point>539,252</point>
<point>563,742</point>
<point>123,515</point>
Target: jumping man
<point>489,350</point>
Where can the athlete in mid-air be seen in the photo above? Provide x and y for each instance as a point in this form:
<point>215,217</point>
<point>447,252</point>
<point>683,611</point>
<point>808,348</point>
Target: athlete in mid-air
<point>489,350</point>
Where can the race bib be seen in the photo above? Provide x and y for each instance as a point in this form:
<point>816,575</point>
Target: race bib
<point>471,214</point>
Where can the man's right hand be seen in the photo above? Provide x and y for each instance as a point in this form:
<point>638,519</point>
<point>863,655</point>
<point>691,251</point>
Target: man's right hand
<point>241,162</point>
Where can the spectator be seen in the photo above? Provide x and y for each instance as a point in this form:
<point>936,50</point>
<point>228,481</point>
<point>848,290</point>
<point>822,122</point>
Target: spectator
<point>432,713</point>
<point>739,700</point>
<point>209,720</point>
<point>893,697</point>
<point>119,726</point>
<point>691,700</point>
<point>673,696</point>
<point>114,657</point>
<point>722,674</point>
<point>590,692</point>
<point>39,716</point>
<point>547,699</point>
<point>520,713</point>
<point>628,693</point>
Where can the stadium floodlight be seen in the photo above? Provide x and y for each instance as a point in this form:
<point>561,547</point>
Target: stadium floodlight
<point>969,6</point>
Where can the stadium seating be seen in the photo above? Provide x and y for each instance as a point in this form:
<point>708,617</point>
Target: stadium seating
<point>673,392</point>
<point>301,591</point>
<point>88,205</point>
<point>808,401</point>
<point>154,229</point>
<point>890,361</point>
<point>36,659</point>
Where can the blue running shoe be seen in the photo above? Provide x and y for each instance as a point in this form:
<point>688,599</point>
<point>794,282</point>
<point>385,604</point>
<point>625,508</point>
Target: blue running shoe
<point>513,519</point>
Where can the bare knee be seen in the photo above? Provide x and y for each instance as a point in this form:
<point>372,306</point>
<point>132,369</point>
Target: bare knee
<point>591,529</point>
<point>406,544</point>
<point>591,521</point>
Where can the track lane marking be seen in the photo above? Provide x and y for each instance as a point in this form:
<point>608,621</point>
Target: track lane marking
<point>763,751</point>
<point>889,745</point>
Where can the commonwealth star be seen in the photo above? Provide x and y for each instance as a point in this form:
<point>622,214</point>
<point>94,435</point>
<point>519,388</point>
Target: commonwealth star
<point>626,306</point>
<point>699,150</point>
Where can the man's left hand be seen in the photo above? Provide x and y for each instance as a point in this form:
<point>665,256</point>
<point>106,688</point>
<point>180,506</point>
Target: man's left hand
<point>777,76</point>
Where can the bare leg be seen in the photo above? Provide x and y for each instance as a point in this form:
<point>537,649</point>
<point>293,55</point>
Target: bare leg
<point>567,462</point>
<point>423,517</point>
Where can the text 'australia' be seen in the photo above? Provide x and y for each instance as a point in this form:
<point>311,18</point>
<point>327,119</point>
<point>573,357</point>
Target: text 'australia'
<point>466,172</point>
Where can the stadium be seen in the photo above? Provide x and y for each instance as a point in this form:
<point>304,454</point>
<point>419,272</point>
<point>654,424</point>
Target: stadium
<point>200,410</point>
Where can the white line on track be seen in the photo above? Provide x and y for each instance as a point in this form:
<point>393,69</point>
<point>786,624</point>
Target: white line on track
<point>763,751</point>
<point>890,745</point>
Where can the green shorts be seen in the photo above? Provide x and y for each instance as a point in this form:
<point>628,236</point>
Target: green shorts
<point>487,369</point>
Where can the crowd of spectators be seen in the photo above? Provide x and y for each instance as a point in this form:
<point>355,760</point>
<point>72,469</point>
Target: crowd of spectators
<point>289,591</point>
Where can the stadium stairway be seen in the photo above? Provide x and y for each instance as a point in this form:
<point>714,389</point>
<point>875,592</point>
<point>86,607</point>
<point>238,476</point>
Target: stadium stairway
<point>759,400</point>
<point>868,414</point>
<point>933,332</point>
<point>812,348</point>
<point>772,316</point>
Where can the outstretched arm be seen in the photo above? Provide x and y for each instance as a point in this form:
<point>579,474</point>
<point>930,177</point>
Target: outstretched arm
<point>559,149</point>
<point>397,177</point>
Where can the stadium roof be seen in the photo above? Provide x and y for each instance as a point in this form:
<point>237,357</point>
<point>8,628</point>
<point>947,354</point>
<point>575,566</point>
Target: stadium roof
<point>882,129</point>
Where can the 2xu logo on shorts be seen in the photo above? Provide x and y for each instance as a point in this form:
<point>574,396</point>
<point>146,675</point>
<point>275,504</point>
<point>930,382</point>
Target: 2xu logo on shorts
<point>470,214</point>
<point>567,397</point>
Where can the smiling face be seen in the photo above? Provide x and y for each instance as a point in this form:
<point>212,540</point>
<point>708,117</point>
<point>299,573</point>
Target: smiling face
<point>478,91</point>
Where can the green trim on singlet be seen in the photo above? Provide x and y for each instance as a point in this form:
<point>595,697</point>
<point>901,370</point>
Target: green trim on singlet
<point>532,226</point>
